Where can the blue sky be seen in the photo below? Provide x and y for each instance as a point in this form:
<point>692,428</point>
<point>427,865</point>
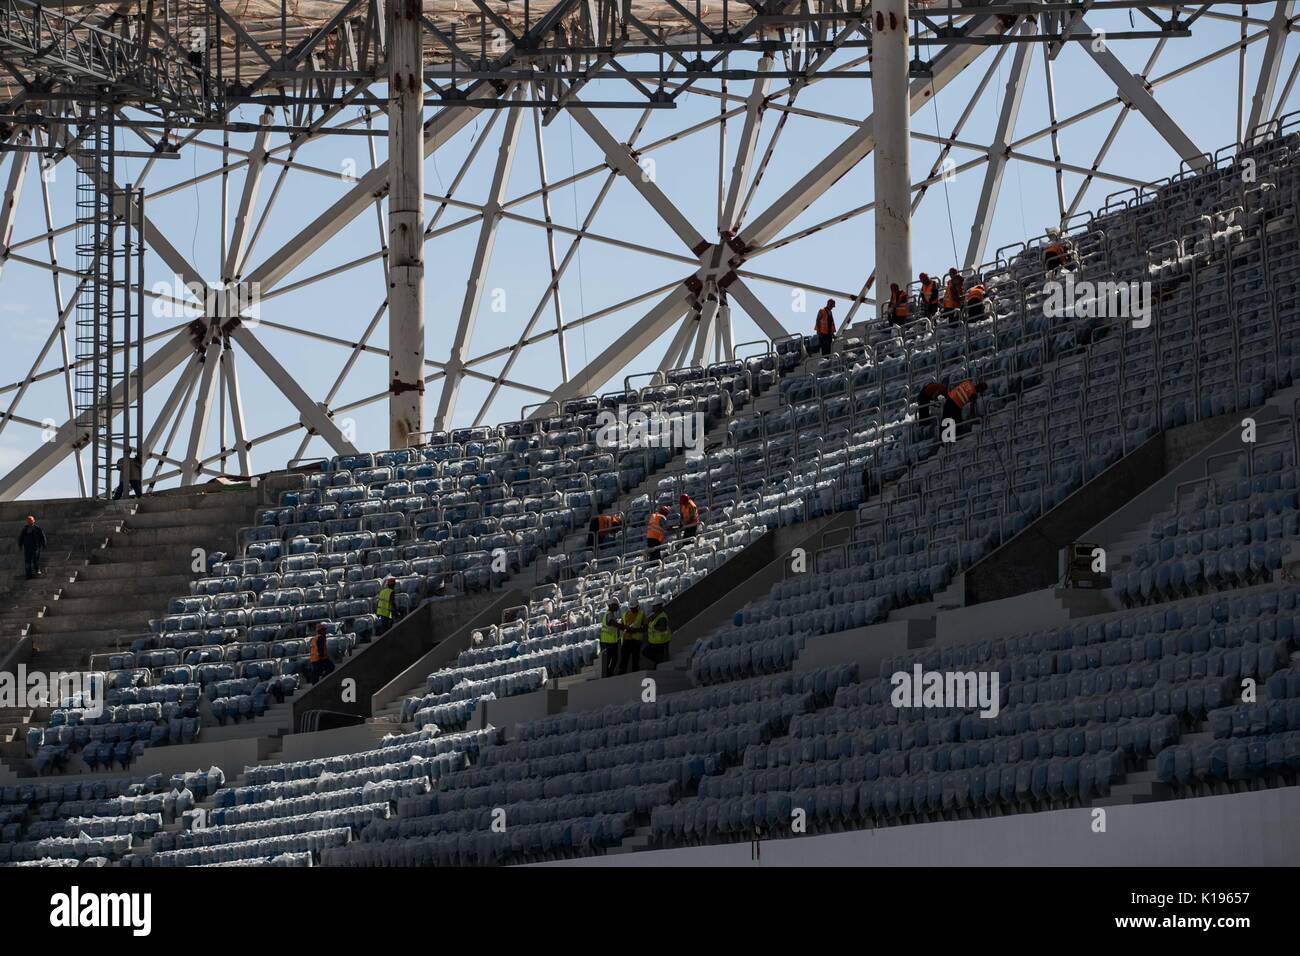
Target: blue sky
<point>839,258</point>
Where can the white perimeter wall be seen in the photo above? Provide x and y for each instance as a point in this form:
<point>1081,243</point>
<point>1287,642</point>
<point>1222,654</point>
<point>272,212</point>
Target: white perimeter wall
<point>1246,829</point>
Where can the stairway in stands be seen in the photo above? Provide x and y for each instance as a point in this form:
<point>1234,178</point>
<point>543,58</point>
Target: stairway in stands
<point>109,569</point>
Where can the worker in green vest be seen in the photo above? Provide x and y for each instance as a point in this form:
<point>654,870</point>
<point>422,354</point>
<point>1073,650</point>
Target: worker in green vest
<point>660,635</point>
<point>384,606</point>
<point>611,637</point>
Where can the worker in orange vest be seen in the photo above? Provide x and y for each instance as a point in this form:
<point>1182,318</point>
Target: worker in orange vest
<point>319,655</point>
<point>690,516</point>
<point>953,294</point>
<point>825,327</point>
<point>656,532</point>
<point>961,397</point>
<point>925,399</point>
<point>899,311</point>
<point>600,527</point>
<point>1056,255</point>
<point>975,302</point>
<point>929,296</point>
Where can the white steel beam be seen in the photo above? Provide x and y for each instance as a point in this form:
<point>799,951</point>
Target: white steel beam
<point>1279,25</point>
<point>756,310</point>
<point>998,152</point>
<point>241,233</point>
<point>726,338</point>
<point>74,434</point>
<point>13,192</point>
<point>556,303</point>
<point>892,123</point>
<point>1135,91</point>
<point>621,158</point>
<point>947,65</point>
<point>681,342</point>
<point>478,269</point>
<point>441,127</point>
<point>313,415</point>
<point>179,394</point>
<point>627,346</point>
<point>208,378</point>
<point>230,375</point>
<point>405,223</point>
<point>748,142</point>
<point>704,337</point>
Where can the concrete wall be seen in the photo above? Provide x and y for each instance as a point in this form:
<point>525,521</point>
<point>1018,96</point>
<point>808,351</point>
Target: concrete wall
<point>405,642</point>
<point>1244,829</point>
<point>865,646</point>
<point>332,743</point>
<point>1030,560</point>
<point>757,569</point>
<point>232,756</point>
<point>445,650</point>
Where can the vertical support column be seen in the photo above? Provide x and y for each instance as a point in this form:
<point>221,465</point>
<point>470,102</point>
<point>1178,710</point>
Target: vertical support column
<point>405,222</point>
<point>892,118</point>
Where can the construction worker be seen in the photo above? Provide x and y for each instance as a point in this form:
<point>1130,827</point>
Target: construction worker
<point>825,327</point>
<point>926,398</point>
<point>130,468</point>
<point>961,397</point>
<point>929,296</point>
<point>975,302</point>
<point>656,532</point>
<point>953,294</point>
<point>900,312</point>
<point>634,635</point>
<point>600,527</point>
<point>1056,254</point>
<point>384,606</point>
<point>319,663</point>
<point>611,639</point>
<point>659,635</point>
<point>31,540</point>
<point>690,516</point>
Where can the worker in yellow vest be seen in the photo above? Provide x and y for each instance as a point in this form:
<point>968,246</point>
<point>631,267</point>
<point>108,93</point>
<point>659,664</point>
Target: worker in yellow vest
<point>384,605</point>
<point>634,635</point>
<point>659,635</point>
<point>611,638</point>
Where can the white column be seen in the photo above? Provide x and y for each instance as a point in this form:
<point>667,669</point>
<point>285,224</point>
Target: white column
<point>405,222</point>
<point>893,120</point>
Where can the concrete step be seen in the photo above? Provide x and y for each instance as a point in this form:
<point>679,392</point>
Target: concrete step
<point>116,607</point>
<point>87,640</point>
<point>158,588</point>
<point>194,517</point>
<point>126,551</point>
<point>135,621</point>
<point>123,566</point>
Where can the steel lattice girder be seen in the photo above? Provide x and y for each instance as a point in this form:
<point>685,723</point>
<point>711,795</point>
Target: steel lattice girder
<point>756,234</point>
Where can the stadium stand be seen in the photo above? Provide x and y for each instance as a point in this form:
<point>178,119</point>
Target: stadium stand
<point>1143,700</point>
